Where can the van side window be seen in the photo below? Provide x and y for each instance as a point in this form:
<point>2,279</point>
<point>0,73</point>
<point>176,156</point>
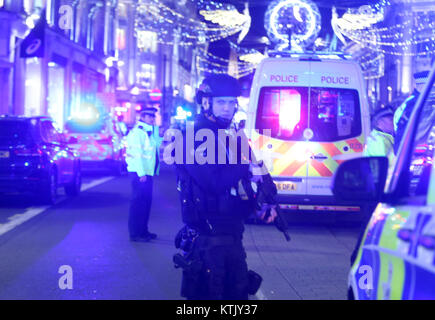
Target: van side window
<point>420,166</point>
<point>333,114</point>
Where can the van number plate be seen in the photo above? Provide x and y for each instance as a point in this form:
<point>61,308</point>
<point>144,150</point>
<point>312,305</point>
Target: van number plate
<point>286,186</point>
<point>4,154</point>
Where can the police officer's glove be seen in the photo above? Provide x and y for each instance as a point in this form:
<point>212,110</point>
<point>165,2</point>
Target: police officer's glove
<point>267,212</point>
<point>180,236</point>
<point>258,170</point>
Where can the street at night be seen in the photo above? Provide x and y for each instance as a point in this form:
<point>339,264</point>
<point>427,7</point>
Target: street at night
<point>217,150</point>
<point>89,234</point>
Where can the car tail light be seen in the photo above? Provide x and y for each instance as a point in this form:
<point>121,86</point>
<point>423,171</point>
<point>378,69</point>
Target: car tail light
<point>28,152</point>
<point>107,140</point>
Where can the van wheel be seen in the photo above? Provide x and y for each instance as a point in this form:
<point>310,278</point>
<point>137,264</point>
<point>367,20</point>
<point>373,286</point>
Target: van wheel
<point>73,189</point>
<point>49,191</point>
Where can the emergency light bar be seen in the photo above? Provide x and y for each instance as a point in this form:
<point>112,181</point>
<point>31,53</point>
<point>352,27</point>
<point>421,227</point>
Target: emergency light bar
<point>309,55</point>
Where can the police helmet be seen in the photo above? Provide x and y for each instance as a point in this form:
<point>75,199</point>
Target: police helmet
<point>218,85</point>
<point>381,113</point>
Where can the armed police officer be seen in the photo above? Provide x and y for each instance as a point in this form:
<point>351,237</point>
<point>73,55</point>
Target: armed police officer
<point>216,198</point>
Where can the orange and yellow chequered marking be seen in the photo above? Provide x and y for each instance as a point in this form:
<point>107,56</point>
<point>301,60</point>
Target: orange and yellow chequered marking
<point>291,157</point>
<point>285,155</point>
<point>327,167</point>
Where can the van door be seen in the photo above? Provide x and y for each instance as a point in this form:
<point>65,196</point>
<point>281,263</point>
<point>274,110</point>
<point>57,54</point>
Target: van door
<point>334,132</point>
<point>278,138</point>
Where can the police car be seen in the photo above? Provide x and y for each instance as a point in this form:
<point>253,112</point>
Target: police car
<point>99,143</point>
<point>396,254</point>
<point>306,115</point>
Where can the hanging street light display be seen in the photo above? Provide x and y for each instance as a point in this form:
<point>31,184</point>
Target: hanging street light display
<point>173,27</point>
<point>292,24</point>
<point>361,25</point>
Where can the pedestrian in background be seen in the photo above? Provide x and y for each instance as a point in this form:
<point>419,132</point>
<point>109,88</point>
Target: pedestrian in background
<point>403,112</point>
<point>142,159</point>
<point>380,142</point>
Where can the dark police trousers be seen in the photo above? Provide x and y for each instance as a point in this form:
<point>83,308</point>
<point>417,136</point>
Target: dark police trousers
<point>224,275</point>
<point>140,205</point>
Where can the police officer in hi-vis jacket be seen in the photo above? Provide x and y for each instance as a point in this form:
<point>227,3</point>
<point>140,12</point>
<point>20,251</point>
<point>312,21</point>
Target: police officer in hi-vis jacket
<point>142,159</point>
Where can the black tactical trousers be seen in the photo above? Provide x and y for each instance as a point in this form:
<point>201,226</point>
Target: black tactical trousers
<point>224,274</point>
<point>140,206</point>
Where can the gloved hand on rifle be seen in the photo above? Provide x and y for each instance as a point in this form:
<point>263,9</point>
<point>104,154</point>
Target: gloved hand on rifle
<point>248,189</point>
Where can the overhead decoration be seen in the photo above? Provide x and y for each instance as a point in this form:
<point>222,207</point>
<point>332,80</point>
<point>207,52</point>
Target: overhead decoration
<point>173,27</point>
<point>210,63</point>
<point>415,35</point>
<point>292,24</point>
<point>372,65</point>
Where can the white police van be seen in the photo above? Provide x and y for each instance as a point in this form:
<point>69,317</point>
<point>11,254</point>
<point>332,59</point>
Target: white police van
<point>306,115</point>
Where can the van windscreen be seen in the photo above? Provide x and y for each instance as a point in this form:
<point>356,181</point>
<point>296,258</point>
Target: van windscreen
<point>332,114</point>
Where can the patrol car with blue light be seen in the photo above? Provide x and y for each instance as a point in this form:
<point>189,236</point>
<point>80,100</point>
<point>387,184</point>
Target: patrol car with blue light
<point>395,257</point>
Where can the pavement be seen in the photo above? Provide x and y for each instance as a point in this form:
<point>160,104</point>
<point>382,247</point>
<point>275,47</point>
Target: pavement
<point>88,234</point>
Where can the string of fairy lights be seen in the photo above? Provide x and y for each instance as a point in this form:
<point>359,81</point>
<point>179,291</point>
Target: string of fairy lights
<point>208,62</point>
<point>413,36</point>
<point>176,28</point>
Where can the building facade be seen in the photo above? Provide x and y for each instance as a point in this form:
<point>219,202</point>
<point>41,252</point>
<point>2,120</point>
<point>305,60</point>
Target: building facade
<point>70,78</point>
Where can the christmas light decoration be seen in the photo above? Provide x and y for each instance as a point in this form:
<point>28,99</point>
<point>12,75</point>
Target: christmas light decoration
<point>414,36</point>
<point>292,23</point>
<point>173,27</point>
<point>253,58</point>
<point>207,62</point>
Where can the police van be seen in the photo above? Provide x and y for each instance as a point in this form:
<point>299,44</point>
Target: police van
<point>306,115</point>
<point>395,256</point>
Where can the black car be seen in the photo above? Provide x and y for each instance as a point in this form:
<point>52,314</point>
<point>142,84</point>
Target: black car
<point>35,158</point>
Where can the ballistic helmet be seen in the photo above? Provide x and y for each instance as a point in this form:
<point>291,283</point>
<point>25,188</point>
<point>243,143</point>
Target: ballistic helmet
<point>218,85</point>
<point>381,113</point>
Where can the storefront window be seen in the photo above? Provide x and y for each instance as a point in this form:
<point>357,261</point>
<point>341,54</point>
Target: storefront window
<point>75,106</point>
<point>147,75</point>
<point>56,92</point>
<point>32,91</point>
<point>147,41</point>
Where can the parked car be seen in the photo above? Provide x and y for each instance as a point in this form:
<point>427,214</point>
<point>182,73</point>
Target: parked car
<point>396,253</point>
<point>35,158</point>
<point>99,144</point>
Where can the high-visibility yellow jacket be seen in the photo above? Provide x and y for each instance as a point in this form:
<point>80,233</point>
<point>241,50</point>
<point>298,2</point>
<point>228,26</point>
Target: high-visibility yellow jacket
<point>143,143</point>
<point>380,143</point>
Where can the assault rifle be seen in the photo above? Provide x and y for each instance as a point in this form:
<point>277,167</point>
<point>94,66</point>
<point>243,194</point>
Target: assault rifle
<point>267,194</point>
<point>266,191</point>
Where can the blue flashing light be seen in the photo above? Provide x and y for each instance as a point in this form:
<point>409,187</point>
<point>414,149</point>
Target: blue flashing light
<point>182,114</point>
